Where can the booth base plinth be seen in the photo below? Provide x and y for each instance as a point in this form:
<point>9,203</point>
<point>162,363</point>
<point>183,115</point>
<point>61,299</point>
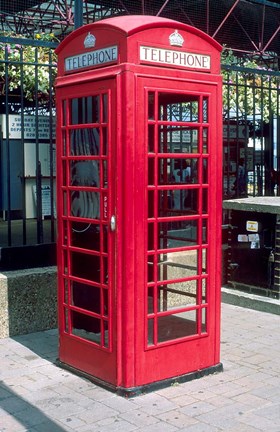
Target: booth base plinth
<point>146,388</point>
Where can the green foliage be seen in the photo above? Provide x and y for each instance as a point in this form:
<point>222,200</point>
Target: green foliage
<point>27,67</point>
<point>249,90</point>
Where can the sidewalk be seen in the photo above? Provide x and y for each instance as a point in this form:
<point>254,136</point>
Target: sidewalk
<point>36,395</point>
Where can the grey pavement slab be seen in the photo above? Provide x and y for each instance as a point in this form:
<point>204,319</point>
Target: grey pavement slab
<point>37,396</point>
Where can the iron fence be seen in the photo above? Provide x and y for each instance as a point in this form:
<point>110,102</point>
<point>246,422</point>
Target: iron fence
<point>27,153</point>
<point>251,132</point>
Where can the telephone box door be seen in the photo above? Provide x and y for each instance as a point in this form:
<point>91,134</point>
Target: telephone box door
<point>86,218</point>
<point>179,316</point>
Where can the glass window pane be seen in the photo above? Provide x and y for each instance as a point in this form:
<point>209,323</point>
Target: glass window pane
<point>165,202</point>
<point>151,105</point>
<point>105,238</point>
<point>178,295</point>
<point>178,139</point>
<point>151,270</point>
<point>86,266</point>
<point>177,326</point>
<point>92,109</point>
<point>205,179</point>
<point>84,110</point>
<point>178,202</point>
<point>66,320</point>
<point>86,297</point>
<point>105,174</point>
<point>151,139</point>
<point>178,107</point>
<point>105,302</point>
<point>151,332</point>
<point>64,235</point>
<point>65,202</point>
<point>85,204</point>
<point>205,102</point>
<point>85,235</point>
<point>105,141</point>
<point>178,265</point>
<point>85,142</point>
<point>151,308</point>
<point>86,327</point>
<point>178,234</point>
<point>204,261</point>
<point>65,291</point>
<point>205,136</point>
<point>204,291</point>
<point>104,280</point>
<point>64,143</point>
<point>105,341</point>
<point>105,108</point>
<point>151,204</point>
<point>176,171</point>
<point>204,320</point>
<point>64,112</point>
<point>151,171</point>
<point>151,228</point>
<point>205,200</point>
<point>85,173</point>
<point>204,231</point>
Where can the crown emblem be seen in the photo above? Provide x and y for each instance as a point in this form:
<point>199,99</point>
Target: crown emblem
<point>89,41</point>
<point>176,39</point>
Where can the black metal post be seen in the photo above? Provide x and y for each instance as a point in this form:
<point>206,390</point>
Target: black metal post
<point>78,13</point>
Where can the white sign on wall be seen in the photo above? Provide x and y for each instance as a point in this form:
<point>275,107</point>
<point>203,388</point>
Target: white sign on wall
<point>28,131</point>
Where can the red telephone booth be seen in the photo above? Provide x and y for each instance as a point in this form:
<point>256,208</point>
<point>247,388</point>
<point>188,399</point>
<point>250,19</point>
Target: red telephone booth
<point>139,202</point>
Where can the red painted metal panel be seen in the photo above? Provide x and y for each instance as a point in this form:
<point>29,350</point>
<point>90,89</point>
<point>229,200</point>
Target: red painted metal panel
<point>86,244</point>
<point>127,34</point>
<point>139,302</point>
<point>183,353</point>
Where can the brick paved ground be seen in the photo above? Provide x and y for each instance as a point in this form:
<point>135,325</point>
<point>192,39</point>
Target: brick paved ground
<point>36,395</point>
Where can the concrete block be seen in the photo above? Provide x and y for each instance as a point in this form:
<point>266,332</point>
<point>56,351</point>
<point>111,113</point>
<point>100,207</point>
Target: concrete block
<point>28,301</point>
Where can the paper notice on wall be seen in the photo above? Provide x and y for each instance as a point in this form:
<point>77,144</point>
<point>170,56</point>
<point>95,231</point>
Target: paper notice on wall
<point>255,245</point>
<point>242,238</point>
<point>252,226</point>
<point>46,200</point>
<point>254,237</point>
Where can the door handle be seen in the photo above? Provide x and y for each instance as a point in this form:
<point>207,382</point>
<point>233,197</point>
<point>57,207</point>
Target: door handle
<point>113,223</point>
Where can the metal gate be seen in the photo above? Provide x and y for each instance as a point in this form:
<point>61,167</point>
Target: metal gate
<point>251,131</point>
<point>27,152</point>
<point>27,165</point>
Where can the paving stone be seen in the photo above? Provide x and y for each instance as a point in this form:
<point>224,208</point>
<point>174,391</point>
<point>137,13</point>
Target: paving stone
<point>158,427</point>
<point>38,396</point>
<point>119,404</point>
<point>112,425</point>
<point>177,418</point>
<point>10,424</point>
<point>261,423</point>
<point>184,400</point>
<point>139,418</point>
<point>197,408</point>
<point>154,404</point>
<point>200,427</point>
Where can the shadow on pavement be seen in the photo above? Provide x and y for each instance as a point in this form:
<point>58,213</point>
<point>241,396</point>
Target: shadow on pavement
<point>16,414</point>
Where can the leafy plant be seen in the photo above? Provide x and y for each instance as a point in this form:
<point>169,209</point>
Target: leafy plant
<point>27,67</point>
<point>250,89</point>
